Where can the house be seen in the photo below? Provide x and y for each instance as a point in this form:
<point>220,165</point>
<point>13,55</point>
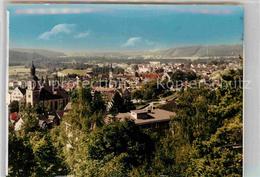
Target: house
<point>50,121</point>
<point>17,94</point>
<point>155,63</point>
<point>18,125</point>
<point>148,117</point>
<point>151,76</point>
<point>13,84</point>
<point>143,69</point>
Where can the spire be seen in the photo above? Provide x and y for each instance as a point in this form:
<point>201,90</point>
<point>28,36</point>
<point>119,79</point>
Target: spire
<point>42,80</point>
<point>33,69</point>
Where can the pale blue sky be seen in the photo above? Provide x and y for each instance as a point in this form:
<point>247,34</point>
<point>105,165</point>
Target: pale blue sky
<point>95,27</point>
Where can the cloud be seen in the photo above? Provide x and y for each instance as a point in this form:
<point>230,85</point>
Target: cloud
<point>138,41</point>
<point>81,35</point>
<point>132,41</point>
<point>56,30</point>
<point>56,11</point>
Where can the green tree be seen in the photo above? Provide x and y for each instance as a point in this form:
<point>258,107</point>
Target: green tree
<point>153,90</point>
<point>137,94</point>
<point>84,95</point>
<point>20,156</point>
<point>97,103</point>
<point>128,104</point>
<point>14,106</point>
<point>117,103</point>
<point>30,119</point>
<point>117,138</point>
<point>221,155</point>
<point>97,120</point>
<point>121,103</point>
<point>48,163</point>
<point>73,95</point>
<point>183,76</point>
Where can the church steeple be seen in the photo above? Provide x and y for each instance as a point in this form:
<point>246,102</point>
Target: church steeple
<point>33,73</point>
<point>46,80</point>
<point>42,81</point>
<point>33,69</point>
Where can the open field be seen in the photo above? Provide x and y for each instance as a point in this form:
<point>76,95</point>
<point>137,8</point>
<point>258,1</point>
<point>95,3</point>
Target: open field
<point>73,71</point>
<point>21,70</point>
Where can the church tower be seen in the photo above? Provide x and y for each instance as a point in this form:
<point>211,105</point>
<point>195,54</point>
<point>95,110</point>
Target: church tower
<point>32,91</point>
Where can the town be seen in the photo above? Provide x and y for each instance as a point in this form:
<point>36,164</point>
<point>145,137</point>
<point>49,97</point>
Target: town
<point>148,87</point>
<point>125,90</point>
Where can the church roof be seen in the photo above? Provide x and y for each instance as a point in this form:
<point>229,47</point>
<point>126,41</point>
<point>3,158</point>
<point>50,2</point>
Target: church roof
<point>35,78</point>
<point>47,95</point>
<point>22,90</point>
<point>33,73</point>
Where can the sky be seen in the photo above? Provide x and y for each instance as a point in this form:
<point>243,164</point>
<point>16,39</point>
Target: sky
<point>115,27</point>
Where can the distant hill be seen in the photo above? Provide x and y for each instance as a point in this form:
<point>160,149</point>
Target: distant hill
<point>202,51</point>
<point>42,52</point>
<point>174,53</point>
<point>25,56</point>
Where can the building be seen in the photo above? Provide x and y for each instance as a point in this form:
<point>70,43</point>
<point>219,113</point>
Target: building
<point>51,96</point>
<point>18,94</point>
<point>155,63</point>
<point>148,117</point>
<point>106,92</point>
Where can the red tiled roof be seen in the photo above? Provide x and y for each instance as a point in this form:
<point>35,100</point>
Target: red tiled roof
<point>14,116</point>
<point>151,76</point>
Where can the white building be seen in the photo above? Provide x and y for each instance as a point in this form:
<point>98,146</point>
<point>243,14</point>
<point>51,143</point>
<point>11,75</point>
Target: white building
<point>17,94</point>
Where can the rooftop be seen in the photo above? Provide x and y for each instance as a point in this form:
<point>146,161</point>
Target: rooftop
<point>139,111</point>
<point>156,115</point>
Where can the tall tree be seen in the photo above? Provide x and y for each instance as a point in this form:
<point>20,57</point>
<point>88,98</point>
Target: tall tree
<point>117,103</point>
<point>30,119</point>
<point>97,103</point>
<point>20,156</point>
<point>48,162</point>
<point>118,138</point>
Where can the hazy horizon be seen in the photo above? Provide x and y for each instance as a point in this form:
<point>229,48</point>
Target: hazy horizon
<point>121,51</point>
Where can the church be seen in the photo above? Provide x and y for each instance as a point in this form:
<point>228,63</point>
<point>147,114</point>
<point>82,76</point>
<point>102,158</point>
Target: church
<point>42,92</point>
